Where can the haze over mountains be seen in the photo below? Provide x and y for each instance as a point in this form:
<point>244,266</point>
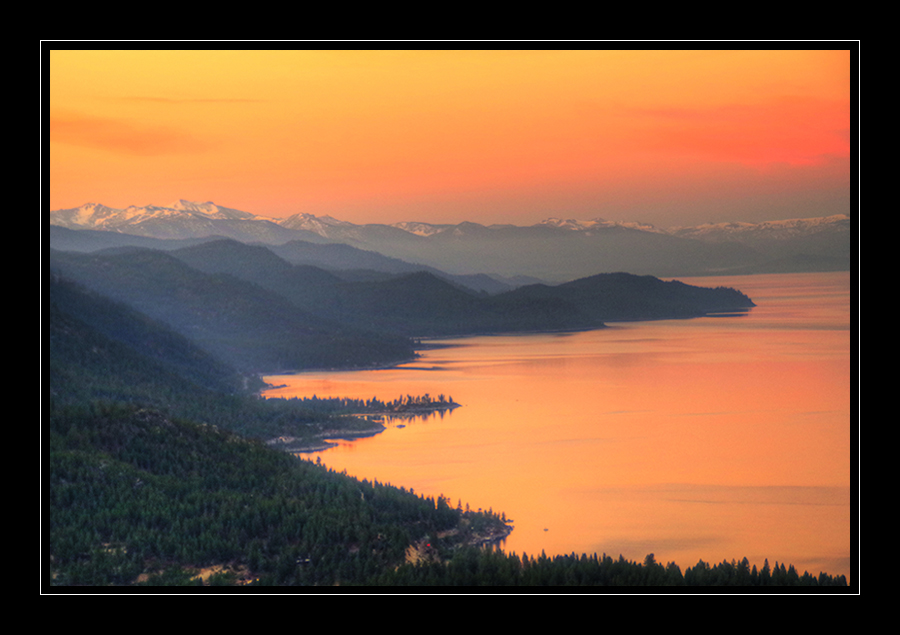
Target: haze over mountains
<point>315,292</point>
<point>257,312</point>
<point>555,250</point>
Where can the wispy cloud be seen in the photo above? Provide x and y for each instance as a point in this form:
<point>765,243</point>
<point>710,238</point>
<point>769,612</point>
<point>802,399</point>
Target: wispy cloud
<point>121,135</point>
<point>786,130</point>
<point>193,100</point>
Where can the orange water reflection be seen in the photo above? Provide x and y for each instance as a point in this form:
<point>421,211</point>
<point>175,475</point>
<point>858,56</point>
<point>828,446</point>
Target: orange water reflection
<point>714,438</point>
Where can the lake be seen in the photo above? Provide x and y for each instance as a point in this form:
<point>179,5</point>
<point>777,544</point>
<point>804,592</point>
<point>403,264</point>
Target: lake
<point>712,438</point>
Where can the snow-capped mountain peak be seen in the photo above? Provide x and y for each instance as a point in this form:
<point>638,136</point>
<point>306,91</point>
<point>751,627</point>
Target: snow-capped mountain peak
<point>321,225</point>
<point>572,224</point>
<point>210,210</point>
<point>189,206</point>
<point>418,228</point>
<point>98,216</point>
<point>774,229</point>
<point>90,213</point>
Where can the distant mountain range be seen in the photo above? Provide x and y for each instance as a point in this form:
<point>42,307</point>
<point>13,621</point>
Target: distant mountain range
<point>554,250</point>
<point>262,305</point>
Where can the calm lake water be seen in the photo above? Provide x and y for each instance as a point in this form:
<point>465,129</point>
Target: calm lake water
<point>713,438</point>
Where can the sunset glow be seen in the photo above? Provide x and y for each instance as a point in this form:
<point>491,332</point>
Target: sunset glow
<point>666,137</point>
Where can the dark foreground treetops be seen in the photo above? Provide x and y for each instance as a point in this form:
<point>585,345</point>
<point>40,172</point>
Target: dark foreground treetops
<point>133,497</point>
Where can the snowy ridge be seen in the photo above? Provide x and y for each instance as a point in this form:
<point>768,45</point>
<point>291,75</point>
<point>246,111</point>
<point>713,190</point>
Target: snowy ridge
<point>556,249</point>
<point>98,216</point>
<point>596,223</point>
<point>321,225</point>
<point>420,229</point>
<point>211,210</point>
<point>772,229</point>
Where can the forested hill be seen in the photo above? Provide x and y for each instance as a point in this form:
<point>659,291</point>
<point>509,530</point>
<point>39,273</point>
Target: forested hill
<point>133,495</point>
<point>241,323</point>
<point>100,351</point>
<point>616,297</point>
<point>146,481</point>
<point>256,311</point>
<point>424,304</point>
<point>90,334</point>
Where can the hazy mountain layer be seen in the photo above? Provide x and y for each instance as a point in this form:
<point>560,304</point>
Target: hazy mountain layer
<point>241,323</point>
<point>422,304</point>
<point>73,307</point>
<point>256,311</point>
<point>350,263</point>
<point>555,249</point>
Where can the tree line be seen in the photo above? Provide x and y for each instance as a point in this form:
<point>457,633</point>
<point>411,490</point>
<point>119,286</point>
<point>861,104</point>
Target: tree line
<point>347,405</point>
<point>130,490</point>
<point>493,567</point>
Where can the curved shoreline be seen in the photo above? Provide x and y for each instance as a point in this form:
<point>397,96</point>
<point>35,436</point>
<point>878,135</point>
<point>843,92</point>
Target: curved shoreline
<point>434,342</point>
<point>322,440</point>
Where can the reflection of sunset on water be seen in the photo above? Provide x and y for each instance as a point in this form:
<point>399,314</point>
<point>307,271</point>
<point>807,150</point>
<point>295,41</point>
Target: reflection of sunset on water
<point>714,438</point>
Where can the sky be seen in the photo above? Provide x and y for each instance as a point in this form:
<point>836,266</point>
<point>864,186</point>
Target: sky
<point>668,137</point>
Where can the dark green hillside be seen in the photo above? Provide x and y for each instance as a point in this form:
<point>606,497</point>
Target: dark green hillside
<point>131,492</point>
<point>86,361</point>
<point>139,486</point>
<point>83,364</point>
<point>249,327</point>
<point>471,567</point>
<point>74,305</point>
<point>623,296</point>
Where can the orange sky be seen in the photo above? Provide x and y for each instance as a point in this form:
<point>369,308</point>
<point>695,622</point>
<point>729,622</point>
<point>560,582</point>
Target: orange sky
<point>667,137</point>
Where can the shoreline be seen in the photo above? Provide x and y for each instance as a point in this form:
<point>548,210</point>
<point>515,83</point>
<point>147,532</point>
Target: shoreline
<point>434,342</point>
<point>322,440</point>
<point>427,343</point>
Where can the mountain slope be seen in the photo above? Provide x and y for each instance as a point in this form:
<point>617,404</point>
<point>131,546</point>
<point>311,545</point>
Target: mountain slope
<point>256,311</point>
<point>340,257</point>
<point>144,483</point>
<point>72,307</point>
<point>422,304</point>
<point>418,303</point>
<point>249,327</point>
<point>622,296</point>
